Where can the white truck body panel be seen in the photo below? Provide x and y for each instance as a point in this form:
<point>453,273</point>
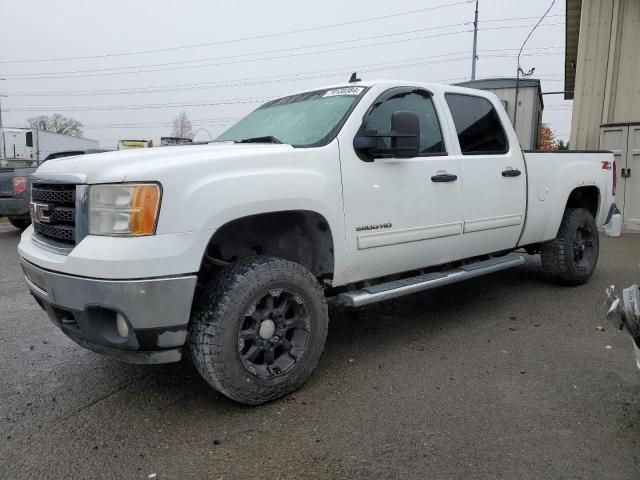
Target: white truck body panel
<point>419,223</point>
<point>13,145</point>
<point>46,143</point>
<point>551,178</point>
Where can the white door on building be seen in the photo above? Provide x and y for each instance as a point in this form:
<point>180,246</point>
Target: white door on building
<point>624,142</point>
<point>632,180</point>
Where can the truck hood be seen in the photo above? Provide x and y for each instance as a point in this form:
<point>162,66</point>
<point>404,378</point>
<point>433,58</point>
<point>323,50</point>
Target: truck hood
<point>148,163</point>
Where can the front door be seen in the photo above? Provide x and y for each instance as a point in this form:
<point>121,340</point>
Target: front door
<point>399,214</point>
<point>494,189</point>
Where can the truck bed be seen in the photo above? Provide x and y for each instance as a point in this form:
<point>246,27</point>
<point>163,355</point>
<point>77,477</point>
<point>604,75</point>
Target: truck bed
<point>551,177</point>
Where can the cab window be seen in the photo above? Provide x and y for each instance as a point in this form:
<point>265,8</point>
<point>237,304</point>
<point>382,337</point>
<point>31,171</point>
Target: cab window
<point>477,124</point>
<point>420,102</point>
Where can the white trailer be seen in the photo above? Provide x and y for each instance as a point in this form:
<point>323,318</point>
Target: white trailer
<point>26,147</point>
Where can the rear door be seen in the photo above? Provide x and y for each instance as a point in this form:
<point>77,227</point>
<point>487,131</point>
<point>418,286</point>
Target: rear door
<point>493,175</point>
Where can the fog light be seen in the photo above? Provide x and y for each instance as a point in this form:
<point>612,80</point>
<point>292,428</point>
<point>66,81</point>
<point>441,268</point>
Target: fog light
<point>121,326</point>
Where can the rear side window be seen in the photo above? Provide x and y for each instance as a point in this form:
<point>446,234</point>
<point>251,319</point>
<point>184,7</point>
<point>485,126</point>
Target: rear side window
<point>478,126</point>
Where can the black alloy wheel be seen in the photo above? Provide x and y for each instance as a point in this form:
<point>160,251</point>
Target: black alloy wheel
<point>274,333</point>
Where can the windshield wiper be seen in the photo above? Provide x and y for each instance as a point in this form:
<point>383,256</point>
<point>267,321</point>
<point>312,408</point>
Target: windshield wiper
<point>265,139</point>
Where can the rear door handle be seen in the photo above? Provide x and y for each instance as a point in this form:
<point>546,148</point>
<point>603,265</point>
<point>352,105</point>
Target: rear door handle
<point>511,172</point>
<point>444,177</point>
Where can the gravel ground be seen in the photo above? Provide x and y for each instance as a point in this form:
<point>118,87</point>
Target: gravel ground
<point>500,377</point>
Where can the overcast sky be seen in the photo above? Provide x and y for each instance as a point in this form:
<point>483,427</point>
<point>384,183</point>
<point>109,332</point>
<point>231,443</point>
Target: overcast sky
<point>220,60</point>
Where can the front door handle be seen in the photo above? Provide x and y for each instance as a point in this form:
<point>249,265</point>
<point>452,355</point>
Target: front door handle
<point>444,177</point>
<point>511,172</point>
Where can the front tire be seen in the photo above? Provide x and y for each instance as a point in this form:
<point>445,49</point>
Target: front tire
<point>571,257</point>
<point>258,329</point>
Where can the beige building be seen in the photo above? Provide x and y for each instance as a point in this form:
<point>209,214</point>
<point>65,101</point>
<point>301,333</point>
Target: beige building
<point>602,76</point>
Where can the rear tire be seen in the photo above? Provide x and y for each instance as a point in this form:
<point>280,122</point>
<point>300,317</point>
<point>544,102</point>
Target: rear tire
<point>258,329</point>
<point>571,257</point>
<point>20,223</point>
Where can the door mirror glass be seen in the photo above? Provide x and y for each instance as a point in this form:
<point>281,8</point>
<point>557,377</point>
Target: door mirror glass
<point>405,134</point>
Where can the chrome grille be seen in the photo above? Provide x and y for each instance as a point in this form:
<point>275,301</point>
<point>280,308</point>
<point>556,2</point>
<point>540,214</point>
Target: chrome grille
<point>58,222</point>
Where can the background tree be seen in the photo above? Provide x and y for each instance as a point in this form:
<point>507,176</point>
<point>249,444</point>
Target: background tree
<point>562,145</point>
<point>547,139</point>
<point>56,123</point>
<point>182,127</point>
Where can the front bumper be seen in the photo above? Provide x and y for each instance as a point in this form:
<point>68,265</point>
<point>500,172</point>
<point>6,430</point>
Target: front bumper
<point>156,311</point>
<point>13,207</point>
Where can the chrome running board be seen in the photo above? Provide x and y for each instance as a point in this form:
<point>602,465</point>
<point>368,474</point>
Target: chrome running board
<point>398,288</point>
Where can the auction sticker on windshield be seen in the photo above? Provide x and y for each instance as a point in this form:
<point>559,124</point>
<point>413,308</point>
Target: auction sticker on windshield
<point>344,91</point>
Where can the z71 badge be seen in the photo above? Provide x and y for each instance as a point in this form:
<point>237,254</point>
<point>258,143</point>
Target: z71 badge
<point>365,228</point>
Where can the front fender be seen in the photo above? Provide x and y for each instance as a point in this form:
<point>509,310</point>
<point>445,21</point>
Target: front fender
<point>300,179</point>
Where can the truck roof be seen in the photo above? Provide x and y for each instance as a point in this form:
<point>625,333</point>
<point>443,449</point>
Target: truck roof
<point>399,83</point>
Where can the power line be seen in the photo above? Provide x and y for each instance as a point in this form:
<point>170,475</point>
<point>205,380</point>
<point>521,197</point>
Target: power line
<point>110,71</point>
<point>58,76</point>
<point>242,39</point>
<point>139,107</point>
<point>239,81</point>
<point>263,52</point>
<point>450,58</point>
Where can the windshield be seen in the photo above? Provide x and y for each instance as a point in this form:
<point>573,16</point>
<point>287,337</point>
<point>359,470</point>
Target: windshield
<point>301,120</point>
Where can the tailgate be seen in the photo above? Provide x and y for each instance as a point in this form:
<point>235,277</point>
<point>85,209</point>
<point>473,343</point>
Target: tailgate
<point>6,182</point>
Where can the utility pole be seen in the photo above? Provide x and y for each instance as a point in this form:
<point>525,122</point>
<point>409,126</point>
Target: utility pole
<point>1,105</point>
<point>475,44</point>
<point>1,109</point>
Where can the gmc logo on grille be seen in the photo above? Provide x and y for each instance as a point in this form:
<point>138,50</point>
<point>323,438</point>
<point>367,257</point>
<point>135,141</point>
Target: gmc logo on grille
<point>38,212</point>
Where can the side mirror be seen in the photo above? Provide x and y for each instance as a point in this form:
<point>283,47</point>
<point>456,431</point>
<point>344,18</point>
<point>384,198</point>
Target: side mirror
<point>366,140</point>
<point>404,135</point>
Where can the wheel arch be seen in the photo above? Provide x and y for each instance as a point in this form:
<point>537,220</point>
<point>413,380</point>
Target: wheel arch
<point>587,197</point>
<point>301,236</point>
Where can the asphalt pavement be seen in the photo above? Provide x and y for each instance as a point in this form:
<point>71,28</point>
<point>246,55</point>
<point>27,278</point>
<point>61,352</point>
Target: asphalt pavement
<point>504,376</point>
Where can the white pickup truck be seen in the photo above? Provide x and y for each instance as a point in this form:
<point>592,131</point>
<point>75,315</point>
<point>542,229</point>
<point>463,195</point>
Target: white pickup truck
<point>356,193</point>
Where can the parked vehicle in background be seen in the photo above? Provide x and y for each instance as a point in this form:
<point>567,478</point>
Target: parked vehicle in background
<point>128,144</point>
<point>167,141</point>
<point>356,193</point>
<point>15,187</point>
<point>23,147</point>
<point>624,314</point>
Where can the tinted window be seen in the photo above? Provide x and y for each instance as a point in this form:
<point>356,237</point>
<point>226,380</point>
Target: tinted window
<point>409,101</point>
<point>477,124</point>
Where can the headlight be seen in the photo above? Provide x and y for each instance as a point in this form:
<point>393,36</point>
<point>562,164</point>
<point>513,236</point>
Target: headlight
<point>126,209</point>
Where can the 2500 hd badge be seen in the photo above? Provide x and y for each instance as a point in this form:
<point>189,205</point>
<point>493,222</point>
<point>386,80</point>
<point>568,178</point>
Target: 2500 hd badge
<point>365,228</point>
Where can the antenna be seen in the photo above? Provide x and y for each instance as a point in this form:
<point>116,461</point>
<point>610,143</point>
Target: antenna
<point>354,78</point>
